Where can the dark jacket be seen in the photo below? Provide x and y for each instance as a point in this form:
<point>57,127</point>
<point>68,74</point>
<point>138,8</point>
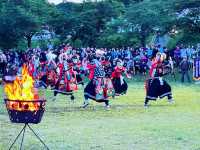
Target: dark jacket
<point>185,65</point>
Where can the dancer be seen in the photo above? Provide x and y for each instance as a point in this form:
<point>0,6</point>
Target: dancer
<point>108,85</point>
<point>118,81</point>
<point>66,79</point>
<point>77,68</point>
<point>96,88</point>
<point>51,70</point>
<point>43,74</point>
<point>156,86</point>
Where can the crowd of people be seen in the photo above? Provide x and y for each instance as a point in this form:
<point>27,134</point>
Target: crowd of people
<point>64,68</point>
<point>136,60</point>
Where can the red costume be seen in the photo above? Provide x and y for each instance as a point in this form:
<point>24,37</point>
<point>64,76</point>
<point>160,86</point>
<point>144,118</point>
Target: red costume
<point>118,72</point>
<point>153,68</point>
<point>118,81</point>
<point>91,68</point>
<point>31,69</point>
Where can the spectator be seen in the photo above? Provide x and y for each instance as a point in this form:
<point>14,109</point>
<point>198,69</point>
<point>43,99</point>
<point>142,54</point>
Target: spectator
<point>149,52</point>
<point>183,52</point>
<point>190,53</point>
<point>3,63</point>
<point>160,49</point>
<point>185,67</point>
<point>177,56</point>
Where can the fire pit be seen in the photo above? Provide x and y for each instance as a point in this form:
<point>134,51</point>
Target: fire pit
<point>23,103</point>
<point>25,111</point>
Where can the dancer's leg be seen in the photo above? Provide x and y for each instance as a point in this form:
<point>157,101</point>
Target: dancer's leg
<point>86,101</point>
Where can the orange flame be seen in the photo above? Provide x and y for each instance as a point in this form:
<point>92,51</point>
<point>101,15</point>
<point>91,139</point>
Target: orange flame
<point>22,89</point>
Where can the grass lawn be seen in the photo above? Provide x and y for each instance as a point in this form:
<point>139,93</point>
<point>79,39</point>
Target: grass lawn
<point>127,126</point>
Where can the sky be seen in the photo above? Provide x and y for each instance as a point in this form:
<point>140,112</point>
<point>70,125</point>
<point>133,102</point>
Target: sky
<point>58,1</point>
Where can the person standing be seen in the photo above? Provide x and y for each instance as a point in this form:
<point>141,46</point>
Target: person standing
<point>185,67</point>
<point>177,56</point>
<point>183,51</point>
<point>3,63</point>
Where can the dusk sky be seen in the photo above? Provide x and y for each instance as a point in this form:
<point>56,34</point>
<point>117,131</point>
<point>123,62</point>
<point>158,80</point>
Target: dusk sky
<point>58,1</point>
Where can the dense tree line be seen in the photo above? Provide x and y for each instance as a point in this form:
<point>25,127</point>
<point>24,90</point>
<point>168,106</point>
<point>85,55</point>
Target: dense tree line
<point>106,23</point>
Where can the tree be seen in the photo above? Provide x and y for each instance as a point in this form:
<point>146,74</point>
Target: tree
<point>187,20</point>
<point>39,13</point>
<point>86,21</point>
<point>148,15</point>
<point>13,22</point>
<point>94,22</point>
<point>22,19</point>
<point>188,13</point>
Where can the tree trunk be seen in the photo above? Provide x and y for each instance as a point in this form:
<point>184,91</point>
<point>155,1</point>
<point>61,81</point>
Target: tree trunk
<point>28,38</point>
<point>29,42</point>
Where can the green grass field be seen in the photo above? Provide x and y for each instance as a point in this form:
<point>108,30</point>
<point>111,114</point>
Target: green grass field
<point>127,126</point>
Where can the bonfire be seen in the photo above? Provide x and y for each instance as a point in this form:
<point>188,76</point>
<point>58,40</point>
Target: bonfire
<point>22,100</point>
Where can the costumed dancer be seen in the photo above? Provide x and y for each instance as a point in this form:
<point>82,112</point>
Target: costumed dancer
<point>43,74</point>
<point>118,81</point>
<point>70,76</point>
<point>66,81</point>
<point>51,69</point>
<point>31,68</point>
<point>78,69</point>
<point>95,88</point>
<point>156,86</point>
<point>108,85</point>
<point>51,74</point>
<point>35,68</point>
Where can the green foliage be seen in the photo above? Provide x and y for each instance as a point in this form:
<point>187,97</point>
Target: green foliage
<point>40,43</point>
<point>188,21</point>
<point>184,38</point>
<point>118,40</point>
<point>191,38</point>
<point>147,15</point>
<point>115,40</point>
<point>56,41</point>
<point>86,21</point>
<point>10,19</point>
<point>21,19</point>
<point>105,23</point>
<point>174,40</point>
<point>77,43</point>
<point>22,45</point>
